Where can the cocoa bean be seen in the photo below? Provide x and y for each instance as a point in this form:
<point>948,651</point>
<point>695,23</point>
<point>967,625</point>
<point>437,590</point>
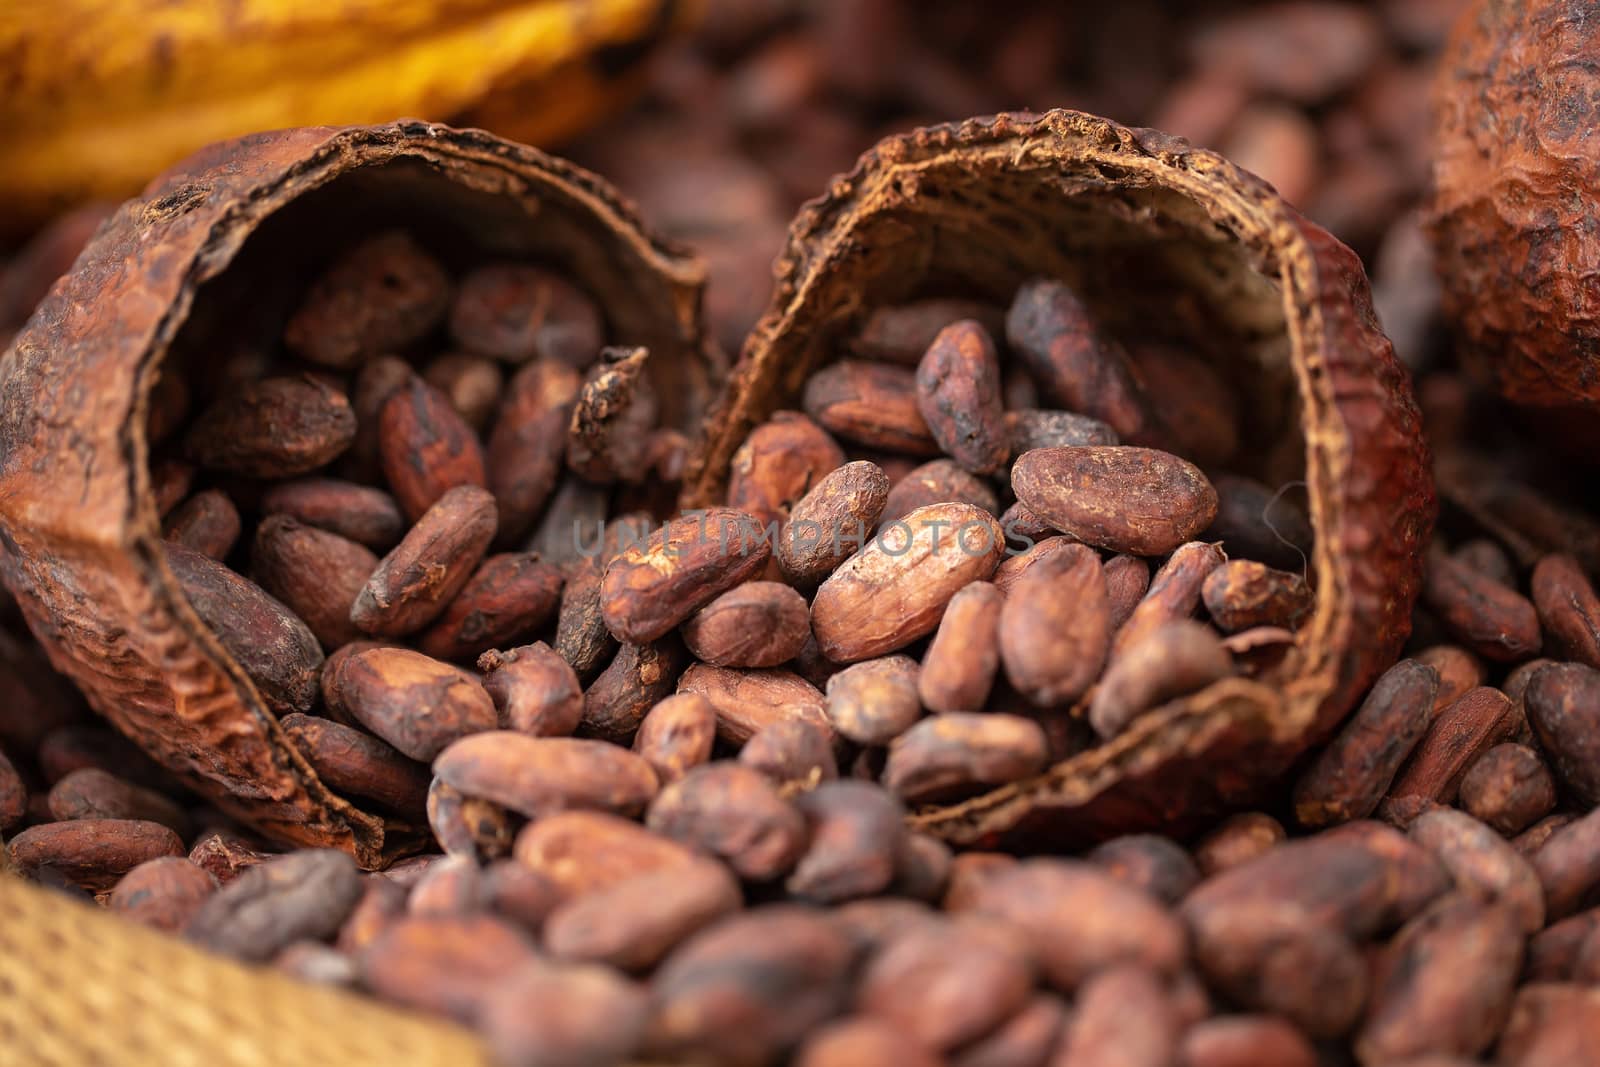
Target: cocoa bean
<point>317,574</point>
<point>1180,658</point>
<point>535,776</point>
<point>1197,407</point>
<point>791,751</point>
<point>1155,864</point>
<point>1255,521</point>
<point>379,296</point>
<point>361,513</point>
<point>306,894</point>
<point>1569,610</point>
<point>469,826</point>
<point>637,678</point>
<point>778,464</point>
<point>757,624</point>
<point>1242,594</point>
<point>651,588</point>
<point>633,924</point>
<point>533,689</point>
<point>453,886</point>
<point>1134,500</point>
<point>449,965</point>
<point>162,893</point>
<point>417,580</point>
<point>831,521</point>
<point>874,701</point>
<point>274,428</point>
<point>676,735</point>
<point>1122,1015</point>
<point>1458,670</point>
<point>516,312</point>
<point>544,1016</point>
<point>359,764</point>
<point>581,635</point>
<point>959,753</point>
<point>1563,707</point>
<point>523,457</point>
<point>508,599</point>
<point>749,701</point>
<point>1033,428</point>
<point>944,984</point>
<point>206,523</point>
<point>902,333</point>
<point>425,448</point>
<point>1055,628</point>
<point>608,438</point>
<point>415,703</point>
<point>1238,839</point>
<point>734,813</point>
<point>586,851</point>
<point>1508,788</point>
<point>1485,867</point>
<point>871,404</point>
<point>1024,1040</point>
<point>958,669</point>
<point>1245,1041</point>
<point>856,831</point>
<point>1479,720</point>
<point>471,383</point>
<point>940,481</point>
<point>1174,593</point>
<point>1569,865</point>
<point>1127,581</point>
<point>1495,622</point>
<point>958,394</point>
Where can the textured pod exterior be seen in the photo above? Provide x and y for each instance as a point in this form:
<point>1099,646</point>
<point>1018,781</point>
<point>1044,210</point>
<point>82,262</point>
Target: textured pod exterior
<point>1143,225</point>
<point>80,538</point>
<point>1516,173</point>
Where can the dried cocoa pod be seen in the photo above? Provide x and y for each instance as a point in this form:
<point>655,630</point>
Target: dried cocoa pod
<point>1495,622</point>
<point>1033,428</point>
<point>1244,1041</point>
<point>1242,594</point>
<point>944,983</point>
<point>92,854</point>
<point>631,925</point>
<point>1560,703</point>
<point>874,701</point>
<point>274,428</point>
<point>756,624</point>
<point>379,296</point>
<point>1174,661</point>
<point>444,964</point>
<point>676,735</point>
<point>939,481</point>
<point>1444,985</point>
<point>1055,628</point>
<point>563,1015</point>
<point>902,333</point>
<point>958,393</point>
<point>131,642</point>
<point>1155,864</point>
<point>274,648</point>
<point>1351,775</point>
<point>1174,593</point>
<point>1125,499</point>
<point>734,813</point>
<point>749,701</point>
<point>425,448</point>
<point>523,455</point>
<point>1237,840</point>
<point>306,894</point>
<point>1075,364</point>
<point>206,523</point>
<point>516,312</point>
<point>535,776</point>
<point>1122,1015</point>
<point>472,384</point>
<point>960,753</point>
<point>650,589</point>
<point>871,404</point>
<point>91,793</point>
<point>507,599</point>
<point>778,464</point>
<point>415,703</point>
<point>856,833</point>
<point>163,893</point>
<point>1024,1040</point>
<point>1479,720</point>
<point>638,677</point>
<point>749,988</point>
<point>416,581</point>
<point>831,521</point>
<point>1484,865</point>
<point>317,574</point>
<point>358,764</point>
<point>959,667</point>
<point>1508,788</point>
<point>1527,312</point>
<point>361,513</point>
<point>534,690</point>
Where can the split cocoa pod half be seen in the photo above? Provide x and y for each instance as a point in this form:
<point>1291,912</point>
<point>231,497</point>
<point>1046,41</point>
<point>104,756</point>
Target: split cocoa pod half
<point>1515,178</point>
<point>1145,244</point>
<point>161,365</point>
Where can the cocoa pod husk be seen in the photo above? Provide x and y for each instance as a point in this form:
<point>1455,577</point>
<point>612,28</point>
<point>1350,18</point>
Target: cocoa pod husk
<point>108,609</point>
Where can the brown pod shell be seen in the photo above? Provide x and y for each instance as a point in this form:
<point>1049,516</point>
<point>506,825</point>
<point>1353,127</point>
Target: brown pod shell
<point>79,542</point>
<point>1043,195</point>
<point>1514,173</point>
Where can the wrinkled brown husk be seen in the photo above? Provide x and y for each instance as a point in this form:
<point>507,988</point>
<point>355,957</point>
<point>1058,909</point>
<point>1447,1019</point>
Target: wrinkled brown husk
<point>219,244</point>
<point>1516,178</point>
<point>1152,232</point>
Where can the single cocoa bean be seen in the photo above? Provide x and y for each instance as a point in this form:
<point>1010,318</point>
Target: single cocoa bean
<point>960,753</point>
<point>472,384</point>
<point>509,598</point>
<point>206,523</point>
<point>874,701</point>
<point>1462,732</point>
<point>525,449</point>
<point>358,764</point>
<point>633,924</point>
<point>533,689</point>
<point>1180,658</point>
<point>959,667</point>
<point>305,894</point>
<point>515,312</point>
<point>749,701</point>
<point>1155,864</point>
<point>757,624</point>
<point>415,703</point>
<point>1495,622</point>
<point>791,751</point>
<point>637,678</point>
<point>274,428</point>
<point>162,893</point>
<point>1055,628</point>
<point>317,574</point>
<point>379,296</point>
<point>779,463</point>
<point>535,776</point>
<point>361,513</point>
<point>416,581</point>
<point>676,735</point>
<point>735,813</point>
<point>650,589</point>
<point>426,449</point>
<point>871,404</point>
<point>1509,788</point>
<point>939,481</point>
<point>1242,594</point>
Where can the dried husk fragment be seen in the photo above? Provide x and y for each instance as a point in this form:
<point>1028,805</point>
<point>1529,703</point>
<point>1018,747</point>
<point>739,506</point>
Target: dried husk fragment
<point>213,252</point>
<point>1155,235</point>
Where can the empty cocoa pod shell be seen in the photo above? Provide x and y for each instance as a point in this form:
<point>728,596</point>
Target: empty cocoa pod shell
<point>1515,178</point>
<point>1154,235</point>
<point>217,250</point>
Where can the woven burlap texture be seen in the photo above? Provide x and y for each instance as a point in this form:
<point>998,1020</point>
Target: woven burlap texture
<point>82,988</point>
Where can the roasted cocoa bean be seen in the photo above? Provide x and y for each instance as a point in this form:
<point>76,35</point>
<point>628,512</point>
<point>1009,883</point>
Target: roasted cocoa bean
<point>779,463</point>
<point>523,457</point>
<point>1242,594</point>
<point>791,752</point>
<point>637,678</point>
<point>415,703</point>
<point>535,776</point>
<point>676,735</point>
<point>856,833</point>
<point>470,826</point>
<point>206,523</point>
<point>1155,864</point>
<point>1238,839</point>
<point>902,333</point>
<point>361,513</point>
<point>1484,865</point>
<point>651,588</point>
<point>444,964</point>
<point>959,667</point>
<point>631,925</point>
<point>874,701</point>
<point>735,813</point>
<point>1134,500</point>
<point>1569,610</point>
<point>91,793</point>
<point>831,521</point>
<point>426,448</point>
<point>1245,1041</point>
<point>608,439</point>
<point>472,384</point>
<point>1495,622</point>
<point>545,1016</point>
<point>1174,593</point>
<point>1569,865</point>
<point>1458,670</point>
<point>1033,428</point>
<point>516,312</point>
<point>749,701</point>
<point>1122,1015</point>
<point>946,983</point>
<point>586,851</point>
<point>1563,707</point>
<point>940,481</point>
<point>379,296</point>
<point>417,580</point>
<point>1462,732</point>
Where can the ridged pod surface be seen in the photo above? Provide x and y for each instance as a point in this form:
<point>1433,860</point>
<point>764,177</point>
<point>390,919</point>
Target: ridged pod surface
<point>227,230</point>
<point>1516,175</point>
<point>1148,230</point>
